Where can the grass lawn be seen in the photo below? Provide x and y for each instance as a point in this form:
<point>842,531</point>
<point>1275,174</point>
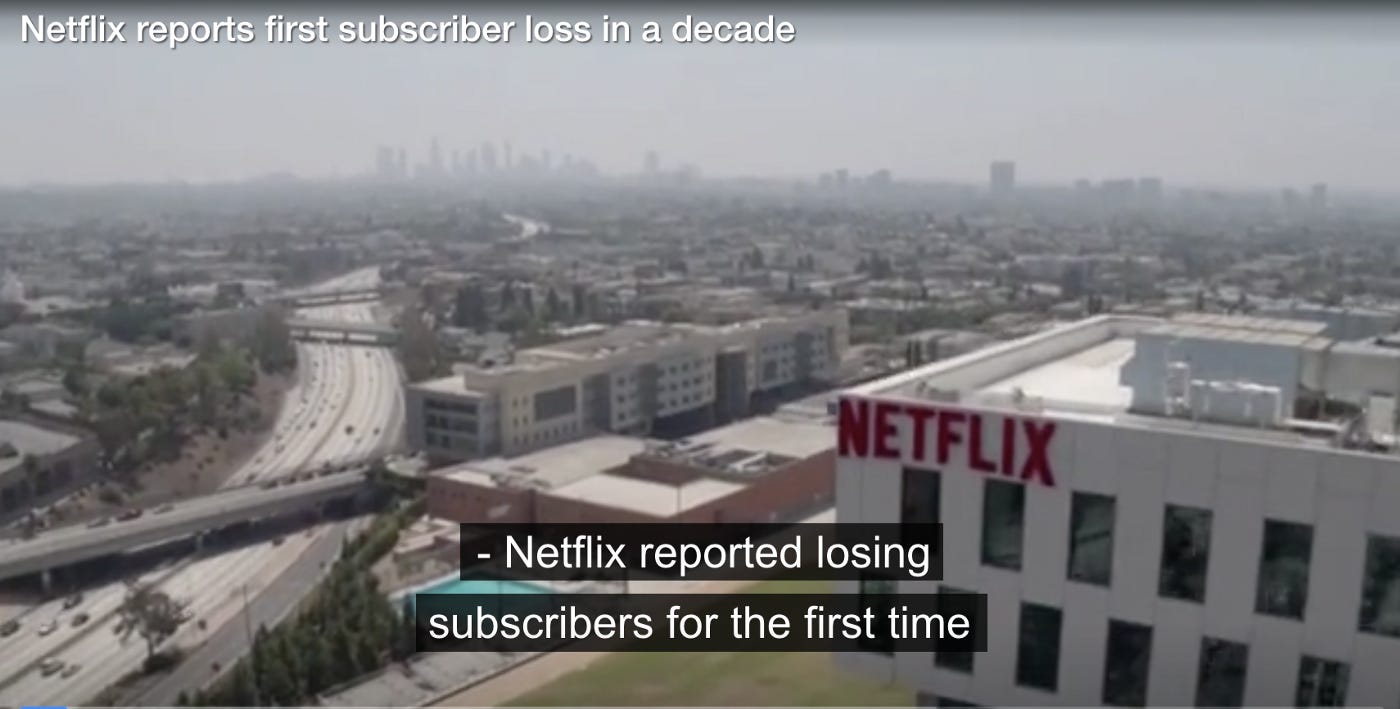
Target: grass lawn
<point>715,679</point>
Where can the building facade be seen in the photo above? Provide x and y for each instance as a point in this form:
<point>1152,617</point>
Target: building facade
<point>635,379</point>
<point>1168,550</point>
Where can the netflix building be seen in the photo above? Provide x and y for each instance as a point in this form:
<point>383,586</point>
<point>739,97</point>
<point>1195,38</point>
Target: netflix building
<point>1203,511</point>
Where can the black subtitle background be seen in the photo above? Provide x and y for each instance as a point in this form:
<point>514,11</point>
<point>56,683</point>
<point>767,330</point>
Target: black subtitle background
<point>490,539</point>
<point>793,605</point>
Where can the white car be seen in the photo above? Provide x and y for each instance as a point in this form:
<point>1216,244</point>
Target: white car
<point>50,666</point>
<point>47,628</point>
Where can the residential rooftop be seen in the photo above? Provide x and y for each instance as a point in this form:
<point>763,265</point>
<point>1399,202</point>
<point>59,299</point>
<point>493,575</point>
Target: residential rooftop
<point>29,439</point>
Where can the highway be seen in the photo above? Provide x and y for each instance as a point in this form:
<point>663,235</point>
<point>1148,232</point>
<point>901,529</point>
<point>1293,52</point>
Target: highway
<point>346,405</point>
<point>69,545</point>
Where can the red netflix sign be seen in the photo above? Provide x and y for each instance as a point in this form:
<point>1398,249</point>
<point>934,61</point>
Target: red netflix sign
<point>869,428</point>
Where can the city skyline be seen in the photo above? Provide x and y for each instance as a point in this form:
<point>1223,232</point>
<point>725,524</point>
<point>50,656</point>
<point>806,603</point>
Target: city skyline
<point>1209,101</point>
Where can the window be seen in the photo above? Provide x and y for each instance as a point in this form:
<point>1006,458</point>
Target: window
<point>1091,538</point>
<point>1038,650</point>
<point>1186,549</point>
<point>1003,519</point>
<point>1283,569</point>
<point>882,589</point>
<point>920,493</point>
<point>1322,683</point>
<point>1220,679</point>
<point>958,661</point>
<point>1380,587</point>
<point>1125,671</point>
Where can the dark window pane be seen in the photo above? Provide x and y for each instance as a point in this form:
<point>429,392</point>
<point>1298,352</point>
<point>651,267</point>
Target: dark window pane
<point>919,495</point>
<point>960,661</point>
<point>877,593</point>
<point>1091,538</point>
<point>1038,650</point>
<point>929,699</point>
<point>1380,589</point>
<point>1220,678</point>
<point>1003,521</point>
<point>1125,671</point>
<point>1322,683</point>
<point>1283,569</point>
<point>1185,553</point>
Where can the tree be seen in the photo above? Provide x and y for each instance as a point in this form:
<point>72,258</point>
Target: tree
<point>272,344</point>
<point>418,348</point>
<point>152,614</point>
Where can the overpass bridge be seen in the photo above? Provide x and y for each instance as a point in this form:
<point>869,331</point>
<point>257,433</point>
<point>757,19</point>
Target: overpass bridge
<point>342,331</point>
<point>192,518</point>
<point>331,297</point>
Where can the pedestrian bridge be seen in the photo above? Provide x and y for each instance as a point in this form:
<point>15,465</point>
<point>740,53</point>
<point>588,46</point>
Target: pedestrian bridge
<point>342,331</point>
<point>191,518</point>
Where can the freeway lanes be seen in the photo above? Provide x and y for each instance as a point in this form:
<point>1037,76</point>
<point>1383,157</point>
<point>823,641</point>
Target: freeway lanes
<point>345,406</point>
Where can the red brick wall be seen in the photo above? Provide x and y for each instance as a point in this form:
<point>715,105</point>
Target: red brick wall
<point>462,501</point>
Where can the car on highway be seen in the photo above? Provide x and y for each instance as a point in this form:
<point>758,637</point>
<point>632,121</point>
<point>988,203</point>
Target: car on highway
<point>70,670</point>
<point>268,485</point>
<point>99,522</point>
<point>129,514</point>
<point>47,628</point>
<point>167,507</point>
<point>51,666</point>
<point>72,601</point>
<point>9,628</point>
<point>80,619</point>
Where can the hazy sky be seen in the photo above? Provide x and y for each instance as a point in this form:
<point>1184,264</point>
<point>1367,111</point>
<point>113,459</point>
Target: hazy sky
<point>1265,100</point>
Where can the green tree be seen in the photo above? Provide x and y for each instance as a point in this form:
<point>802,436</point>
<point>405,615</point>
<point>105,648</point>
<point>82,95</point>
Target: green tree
<point>152,614</point>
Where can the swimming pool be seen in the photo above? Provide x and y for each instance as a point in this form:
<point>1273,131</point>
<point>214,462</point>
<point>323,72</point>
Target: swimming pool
<point>483,585</point>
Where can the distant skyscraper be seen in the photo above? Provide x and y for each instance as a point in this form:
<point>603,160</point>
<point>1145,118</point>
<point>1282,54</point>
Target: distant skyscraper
<point>1003,177</point>
<point>434,159</point>
<point>880,179</point>
<point>1317,198</point>
<point>843,176</point>
<point>546,160</point>
<point>455,164</point>
<point>488,157</point>
<point>385,167</point>
<point>651,163</point>
<point>508,161</point>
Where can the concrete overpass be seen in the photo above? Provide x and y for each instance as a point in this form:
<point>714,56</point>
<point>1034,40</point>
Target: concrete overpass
<point>70,545</point>
<point>334,297</point>
<point>341,331</point>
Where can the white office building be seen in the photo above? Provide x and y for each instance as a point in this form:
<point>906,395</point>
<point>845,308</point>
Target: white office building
<point>627,379</point>
<point>1196,512</point>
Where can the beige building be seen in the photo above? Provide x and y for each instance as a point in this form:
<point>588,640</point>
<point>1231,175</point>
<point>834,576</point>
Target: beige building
<point>637,378</point>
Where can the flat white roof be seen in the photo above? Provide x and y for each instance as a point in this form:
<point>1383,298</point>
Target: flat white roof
<point>1086,379</point>
<point>556,466</point>
<point>646,496</point>
<point>765,434</point>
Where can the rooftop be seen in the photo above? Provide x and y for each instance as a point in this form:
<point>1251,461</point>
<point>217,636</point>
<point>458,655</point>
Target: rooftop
<point>588,470</point>
<point>1076,371</point>
<point>29,439</point>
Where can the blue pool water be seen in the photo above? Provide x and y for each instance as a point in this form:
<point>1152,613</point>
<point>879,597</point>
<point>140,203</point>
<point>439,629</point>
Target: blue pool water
<point>484,586</point>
